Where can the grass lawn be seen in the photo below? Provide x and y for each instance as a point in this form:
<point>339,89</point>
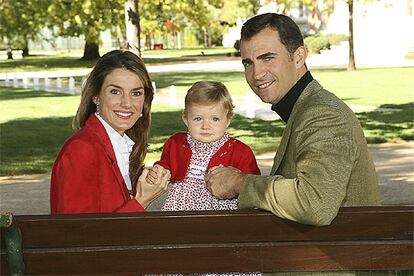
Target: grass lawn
<point>34,124</point>
<point>62,61</point>
<point>372,87</point>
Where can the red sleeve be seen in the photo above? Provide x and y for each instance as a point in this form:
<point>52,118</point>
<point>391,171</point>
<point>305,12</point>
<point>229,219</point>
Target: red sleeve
<point>79,176</point>
<point>247,162</point>
<point>74,183</point>
<point>165,155</point>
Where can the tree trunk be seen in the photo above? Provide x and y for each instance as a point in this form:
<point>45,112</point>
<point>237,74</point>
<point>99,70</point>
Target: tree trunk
<point>351,62</point>
<point>91,51</point>
<point>133,28</point>
<point>25,48</point>
<point>209,42</point>
<point>205,39</point>
<point>148,42</point>
<point>25,51</point>
<point>9,49</point>
<point>122,40</point>
<point>9,53</point>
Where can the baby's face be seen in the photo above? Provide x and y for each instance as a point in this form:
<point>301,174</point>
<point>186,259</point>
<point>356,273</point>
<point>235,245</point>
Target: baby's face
<point>206,123</point>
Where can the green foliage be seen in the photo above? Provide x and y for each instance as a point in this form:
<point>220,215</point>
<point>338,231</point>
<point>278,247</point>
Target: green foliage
<point>336,39</point>
<point>85,17</point>
<point>168,16</point>
<point>210,18</point>
<point>21,20</point>
<point>316,43</point>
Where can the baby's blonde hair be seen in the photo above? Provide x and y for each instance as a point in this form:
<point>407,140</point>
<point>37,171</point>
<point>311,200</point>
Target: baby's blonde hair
<point>209,93</point>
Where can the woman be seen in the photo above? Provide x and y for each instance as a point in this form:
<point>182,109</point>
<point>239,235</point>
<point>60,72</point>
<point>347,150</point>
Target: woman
<point>98,166</point>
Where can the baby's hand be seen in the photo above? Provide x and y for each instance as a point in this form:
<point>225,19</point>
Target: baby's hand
<point>155,174</point>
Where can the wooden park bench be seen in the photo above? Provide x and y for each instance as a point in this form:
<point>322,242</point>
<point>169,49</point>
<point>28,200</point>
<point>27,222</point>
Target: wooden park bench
<point>368,238</point>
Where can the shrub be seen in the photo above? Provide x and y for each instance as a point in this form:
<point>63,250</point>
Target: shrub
<point>335,39</point>
<point>318,42</point>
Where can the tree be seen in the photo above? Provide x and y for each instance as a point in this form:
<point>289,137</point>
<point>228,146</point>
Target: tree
<point>88,18</point>
<point>351,61</point>
<point>170,17</point>
<point>249,7</point>
<point>21,20</point>
<point>133,30</point>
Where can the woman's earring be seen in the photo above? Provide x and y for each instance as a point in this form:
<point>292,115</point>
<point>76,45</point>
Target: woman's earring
<point>97,108</point>
<point>140,115</point>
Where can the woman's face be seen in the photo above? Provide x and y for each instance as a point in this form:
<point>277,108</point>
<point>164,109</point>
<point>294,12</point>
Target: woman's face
<point>121,99</point>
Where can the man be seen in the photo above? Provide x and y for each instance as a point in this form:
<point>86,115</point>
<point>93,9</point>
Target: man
<point>322,162</point>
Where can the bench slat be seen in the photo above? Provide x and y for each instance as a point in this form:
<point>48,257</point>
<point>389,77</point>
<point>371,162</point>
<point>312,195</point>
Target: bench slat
<point>196,227</point>
<point>274,257</point>
<point>360,238</point>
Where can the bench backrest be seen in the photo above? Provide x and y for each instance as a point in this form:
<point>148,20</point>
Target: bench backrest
<point>368,238</point>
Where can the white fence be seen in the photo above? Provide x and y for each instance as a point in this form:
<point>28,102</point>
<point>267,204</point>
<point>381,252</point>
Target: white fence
<point>70,82</point>
<point>67,85</point>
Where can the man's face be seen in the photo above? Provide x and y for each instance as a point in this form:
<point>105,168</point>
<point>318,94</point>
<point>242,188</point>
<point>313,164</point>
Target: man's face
<point>268,67</point>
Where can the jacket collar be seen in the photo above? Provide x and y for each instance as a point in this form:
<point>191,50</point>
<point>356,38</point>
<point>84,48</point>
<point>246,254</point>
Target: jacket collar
<point>94,126</point>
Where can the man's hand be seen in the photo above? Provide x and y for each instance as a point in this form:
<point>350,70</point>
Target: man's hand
<point>224,182</point>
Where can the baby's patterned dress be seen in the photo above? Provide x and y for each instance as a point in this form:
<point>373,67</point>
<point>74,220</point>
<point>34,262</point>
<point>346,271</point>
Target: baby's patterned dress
<point>192,194</point>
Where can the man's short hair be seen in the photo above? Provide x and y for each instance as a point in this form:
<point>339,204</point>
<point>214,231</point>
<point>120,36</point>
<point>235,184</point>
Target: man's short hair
<point>289,32</point>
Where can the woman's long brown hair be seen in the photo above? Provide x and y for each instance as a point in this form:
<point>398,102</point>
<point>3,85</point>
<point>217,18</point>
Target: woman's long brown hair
<point>139,132</point>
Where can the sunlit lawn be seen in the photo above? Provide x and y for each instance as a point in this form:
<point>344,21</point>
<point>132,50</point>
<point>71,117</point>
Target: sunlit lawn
<point>371,87</point>
<point>34,124</point>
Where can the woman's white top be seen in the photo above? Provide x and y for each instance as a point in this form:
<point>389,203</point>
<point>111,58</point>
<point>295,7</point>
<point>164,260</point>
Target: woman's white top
<point>122,146</point>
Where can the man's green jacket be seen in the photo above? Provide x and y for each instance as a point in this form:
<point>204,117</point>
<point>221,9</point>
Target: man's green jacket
<point>322,163</point>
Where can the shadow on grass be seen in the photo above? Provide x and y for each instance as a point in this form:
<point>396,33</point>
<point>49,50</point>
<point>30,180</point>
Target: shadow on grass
<point>382,126</point>
<point>7,93</point>
<point>46,62</point>
<point>349,99</point>
<point>164,80</point>
<point>31,145</point>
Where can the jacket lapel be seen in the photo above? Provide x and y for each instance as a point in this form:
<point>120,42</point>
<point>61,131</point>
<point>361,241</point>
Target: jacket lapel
<point>103,139</point>
<point>282,147</point>
<point>287,132</point>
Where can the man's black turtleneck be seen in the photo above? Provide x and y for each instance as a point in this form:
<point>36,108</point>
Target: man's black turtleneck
<point>285,106</point>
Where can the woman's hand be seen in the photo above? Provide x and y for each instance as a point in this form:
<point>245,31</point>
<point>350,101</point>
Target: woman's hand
<point>147,191</point>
